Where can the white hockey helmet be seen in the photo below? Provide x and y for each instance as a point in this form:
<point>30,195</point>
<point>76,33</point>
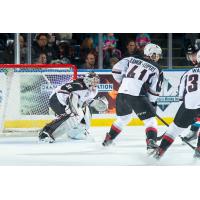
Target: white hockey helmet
<point>198,56</point>
<point>91,80</point>
<point>153,51</point>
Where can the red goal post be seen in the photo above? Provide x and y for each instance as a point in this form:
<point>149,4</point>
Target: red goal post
<point>25,90</point>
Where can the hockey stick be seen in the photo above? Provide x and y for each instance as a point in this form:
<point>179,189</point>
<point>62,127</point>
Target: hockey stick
<point>164,122</point>
<point>182,138</point>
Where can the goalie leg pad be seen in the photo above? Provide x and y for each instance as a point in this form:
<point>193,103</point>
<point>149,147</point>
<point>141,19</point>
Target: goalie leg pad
<point>52,126</point>
<point>78,133</point>
<point>70,123</point>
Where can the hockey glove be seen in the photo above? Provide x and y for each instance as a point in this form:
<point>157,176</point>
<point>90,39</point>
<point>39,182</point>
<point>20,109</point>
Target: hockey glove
<point>100,104</point>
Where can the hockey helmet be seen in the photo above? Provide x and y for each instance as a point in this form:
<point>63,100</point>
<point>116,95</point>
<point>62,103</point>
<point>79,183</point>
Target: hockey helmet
<point>197,44</point>
<point>198,56</point>
<point>190,49</point>
<point>91,80</point>
<point>153,51</point>
<point>191,53</point>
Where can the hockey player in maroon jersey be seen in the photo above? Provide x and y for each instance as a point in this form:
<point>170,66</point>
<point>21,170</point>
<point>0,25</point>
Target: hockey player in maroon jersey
<point>71,102</point>
<point>189,93</point>
<point>140,81</point>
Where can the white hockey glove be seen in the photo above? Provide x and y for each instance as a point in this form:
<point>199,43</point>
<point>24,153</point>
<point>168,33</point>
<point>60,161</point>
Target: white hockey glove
<point>100,104</point>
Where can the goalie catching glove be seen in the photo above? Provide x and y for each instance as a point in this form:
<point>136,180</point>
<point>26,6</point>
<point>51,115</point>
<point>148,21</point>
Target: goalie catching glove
<point>100,104</point>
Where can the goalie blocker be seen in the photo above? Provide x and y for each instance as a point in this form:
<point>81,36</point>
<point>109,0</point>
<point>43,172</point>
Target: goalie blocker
<point>71,102</point>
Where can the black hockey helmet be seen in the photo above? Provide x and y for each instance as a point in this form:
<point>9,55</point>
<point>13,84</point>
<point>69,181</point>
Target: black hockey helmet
<point>197,44</point>
<point>190,49</point>
<point>191,53</point>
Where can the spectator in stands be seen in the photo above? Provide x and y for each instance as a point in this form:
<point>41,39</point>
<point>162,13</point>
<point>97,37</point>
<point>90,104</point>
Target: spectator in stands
<point>142,39</point>
<point>63,53</point>
<point>9,51</point>
<point>109,49</point>
<point>23,49</point>
<point>86,47</point>
<point>42,59</point>
<point>131,49</point>
<point>53,41</point>
<point>41,46</point>
<point>113,61</point>
<point>90,61</point>
<point>95,39</point>
<point>3,39</point>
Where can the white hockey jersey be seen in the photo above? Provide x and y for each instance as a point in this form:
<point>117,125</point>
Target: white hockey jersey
<point>189,88</point>
<point>78,88</point>
<point>138,77</point>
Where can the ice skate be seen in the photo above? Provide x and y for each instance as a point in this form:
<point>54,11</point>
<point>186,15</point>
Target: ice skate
<point>108,141</point>
<point>197,152</point>
<point>151,146</point>
<point>158,152</point>
<point>45,137</point>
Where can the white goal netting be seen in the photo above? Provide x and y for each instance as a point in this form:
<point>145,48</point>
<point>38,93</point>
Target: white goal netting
<point>24,93</point>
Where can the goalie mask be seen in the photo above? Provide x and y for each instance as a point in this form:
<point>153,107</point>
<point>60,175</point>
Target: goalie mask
<point>91,80</point>
<point>153,51</point>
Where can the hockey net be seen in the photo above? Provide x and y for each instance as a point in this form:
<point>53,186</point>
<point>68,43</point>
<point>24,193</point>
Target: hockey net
<point>25,91</point>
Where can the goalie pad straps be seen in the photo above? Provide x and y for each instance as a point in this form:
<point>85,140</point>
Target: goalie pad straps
<point>87,117</point>
<point>73,103</point>
<point>52,126</point>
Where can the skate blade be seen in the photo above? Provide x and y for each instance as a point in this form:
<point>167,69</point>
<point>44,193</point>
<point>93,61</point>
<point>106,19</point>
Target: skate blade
<point>42,141</point>
<point>151,152</point>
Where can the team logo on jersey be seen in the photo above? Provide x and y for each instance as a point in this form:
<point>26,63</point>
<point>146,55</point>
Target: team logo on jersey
<point>105,87</point>
<point>167,95</point>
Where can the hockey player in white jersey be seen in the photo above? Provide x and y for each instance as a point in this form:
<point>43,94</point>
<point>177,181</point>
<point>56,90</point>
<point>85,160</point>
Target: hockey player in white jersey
<point>70,103</point>
<point>189,92</point>
<point>192,58</point>
<point>141,79</point>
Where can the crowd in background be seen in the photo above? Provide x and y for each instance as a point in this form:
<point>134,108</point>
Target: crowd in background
<point>82,49</point>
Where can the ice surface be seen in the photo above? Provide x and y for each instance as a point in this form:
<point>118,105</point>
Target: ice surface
<point>129,150</point>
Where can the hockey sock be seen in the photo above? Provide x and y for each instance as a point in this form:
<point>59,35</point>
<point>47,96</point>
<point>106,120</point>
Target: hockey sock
<point>194,128</point>
<point>151,133</point>
<point>166,142</point>
<point>114,131</point>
